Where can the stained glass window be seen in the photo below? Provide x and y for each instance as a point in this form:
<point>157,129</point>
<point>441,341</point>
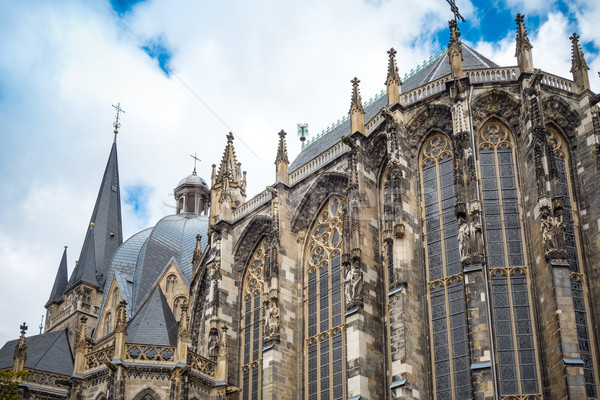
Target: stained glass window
<point>583,332</point>
<point>511,311</point>
<point>452,366</point>
<point>251,323</point>
<point>324,306</point>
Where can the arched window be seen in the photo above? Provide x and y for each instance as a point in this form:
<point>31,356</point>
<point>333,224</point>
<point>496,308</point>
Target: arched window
<point>448,320</point>
<point>561,161</point>
<point>171,283</point>
<point>323,306</point>
<point>251,324</point>
<point>512,322</point>
<point>177,306</point>
<point>107,324</point>
<point>146,394</point>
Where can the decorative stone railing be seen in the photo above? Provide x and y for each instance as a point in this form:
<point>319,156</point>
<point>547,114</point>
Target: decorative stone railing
<point>251,204</point>
<point>317,162</point>
<point>142,352</point>
<point>97,359</point>
<point>424,91</point>
<point>493,74</point>
<point>45,378</point>
<point>557,82</point>
<point>202,364</point>
<point>373,123</point>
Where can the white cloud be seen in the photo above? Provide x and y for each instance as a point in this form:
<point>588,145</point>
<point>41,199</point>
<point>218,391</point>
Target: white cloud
<point>261,67</point>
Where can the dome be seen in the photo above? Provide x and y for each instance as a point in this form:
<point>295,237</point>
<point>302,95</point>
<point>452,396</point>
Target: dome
<point>140,261</point>
<point>193,179</point>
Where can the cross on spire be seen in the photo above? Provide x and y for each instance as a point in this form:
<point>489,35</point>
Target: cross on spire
<point>455,11</point>
<point>117,124</point>
<point>23,328</point>
<point>195,157</point>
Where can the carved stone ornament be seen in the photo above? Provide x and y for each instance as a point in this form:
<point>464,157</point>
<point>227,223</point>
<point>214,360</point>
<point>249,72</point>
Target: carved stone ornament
<point>399,231</point>
<point>553,232</point>
<point>353,284</point>
<point>271,322</point>
<point>213,343</point>
<point>470,242</point>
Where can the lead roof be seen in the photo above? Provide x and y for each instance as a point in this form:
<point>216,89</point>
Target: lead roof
<point>154,323</point>
<point>60,282</point>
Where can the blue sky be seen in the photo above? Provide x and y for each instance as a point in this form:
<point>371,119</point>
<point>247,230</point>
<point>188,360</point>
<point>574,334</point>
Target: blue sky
<point>189,71</point>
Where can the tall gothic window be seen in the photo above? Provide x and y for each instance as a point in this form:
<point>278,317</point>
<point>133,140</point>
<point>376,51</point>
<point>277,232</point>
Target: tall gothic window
<point>171,283</point>
<point>577,281</point>
<point>108,324</point>
<point>323,306</point>
<point>448,320</point>
<point>251,324</point>
<point>512,322</point>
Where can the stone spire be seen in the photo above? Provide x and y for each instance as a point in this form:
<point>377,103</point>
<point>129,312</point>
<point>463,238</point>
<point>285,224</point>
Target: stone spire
<point>105,233</point>
<point>455,51</point>
<point>393,81</point>
<point>357,112</point>
<point>281,161</point>
<point>523,49</point>
<point>20,354</point>
<point>228,184</point>
<point>60,282</point>
<point>579,67</point>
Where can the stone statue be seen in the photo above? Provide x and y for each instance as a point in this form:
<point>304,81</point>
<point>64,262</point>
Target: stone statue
<point>353,284</point>
<point>213,343</point>
<point>553,235</point>
<point>271,327</point>
<point>470,242</point>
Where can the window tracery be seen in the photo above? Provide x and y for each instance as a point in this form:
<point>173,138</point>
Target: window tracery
<point>561,161</point>
<point>251,323</point>
<point>324,343</point>
<point>448,323</point>
<point>171,283</point>
<point>511,316</point>
<point>107,324</point>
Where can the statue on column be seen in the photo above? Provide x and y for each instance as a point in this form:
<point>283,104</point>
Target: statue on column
<point>553,234</point>
<point>213,344</point>
<point>271,325</point>
<point>470,242</point>
<point>353,285</point>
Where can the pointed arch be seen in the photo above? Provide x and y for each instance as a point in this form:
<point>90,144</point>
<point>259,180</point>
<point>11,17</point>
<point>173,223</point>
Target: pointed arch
<point>431,118</point>
<point>324,306</point>
<point>329,184</point>
<point>259,226</point>
<point>147,394</point>
<point>498,103</point>
<point>251,321</point>
<point>558,111</point>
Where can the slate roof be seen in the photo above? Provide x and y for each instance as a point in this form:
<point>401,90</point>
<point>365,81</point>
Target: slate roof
<point>99,246</point>
<point>154,323</point>
<point>60,282</point>
<point>435,70</point>
<point>173,237</point>
<point>47,352</point>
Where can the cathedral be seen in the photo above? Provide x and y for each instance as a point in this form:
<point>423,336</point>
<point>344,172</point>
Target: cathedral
<point>440,242</point>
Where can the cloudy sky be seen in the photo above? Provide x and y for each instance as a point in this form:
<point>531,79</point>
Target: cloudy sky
<point>187,72</point>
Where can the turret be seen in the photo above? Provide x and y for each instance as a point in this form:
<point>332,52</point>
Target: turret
<point>357,112</point>
<point>579,67</point>
<point>228,185</point>
<point>455,51</point>
<point>523,50</point>
<point>20,354</point>
<point>281,161</point>
<point>393,81</point>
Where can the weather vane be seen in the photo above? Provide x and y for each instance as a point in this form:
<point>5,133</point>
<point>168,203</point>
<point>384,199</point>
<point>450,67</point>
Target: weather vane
<point>454,10</point>
<point>195,157</point>
<point>117,124</point>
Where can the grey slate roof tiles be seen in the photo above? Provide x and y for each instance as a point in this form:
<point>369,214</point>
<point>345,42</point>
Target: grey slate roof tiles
<point>433,71</point>
<point>106,236</point>
<point>154,323</point>
<point>60,282</point>
<point>47,352</point>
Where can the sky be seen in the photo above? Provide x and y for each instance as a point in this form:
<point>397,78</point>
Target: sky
<point>187,72</point>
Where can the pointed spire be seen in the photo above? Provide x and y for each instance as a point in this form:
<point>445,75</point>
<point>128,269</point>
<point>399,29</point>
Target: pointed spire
<point>523,47</point>
<point>393,80</point>
<point>20,354</point>
<point>281,161</point>
<point>455,50</point>
<point>357,112</point>
<point>60,282</point>
<point>229,167</point>
<point>105,233</point>
<point>579,67</point>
